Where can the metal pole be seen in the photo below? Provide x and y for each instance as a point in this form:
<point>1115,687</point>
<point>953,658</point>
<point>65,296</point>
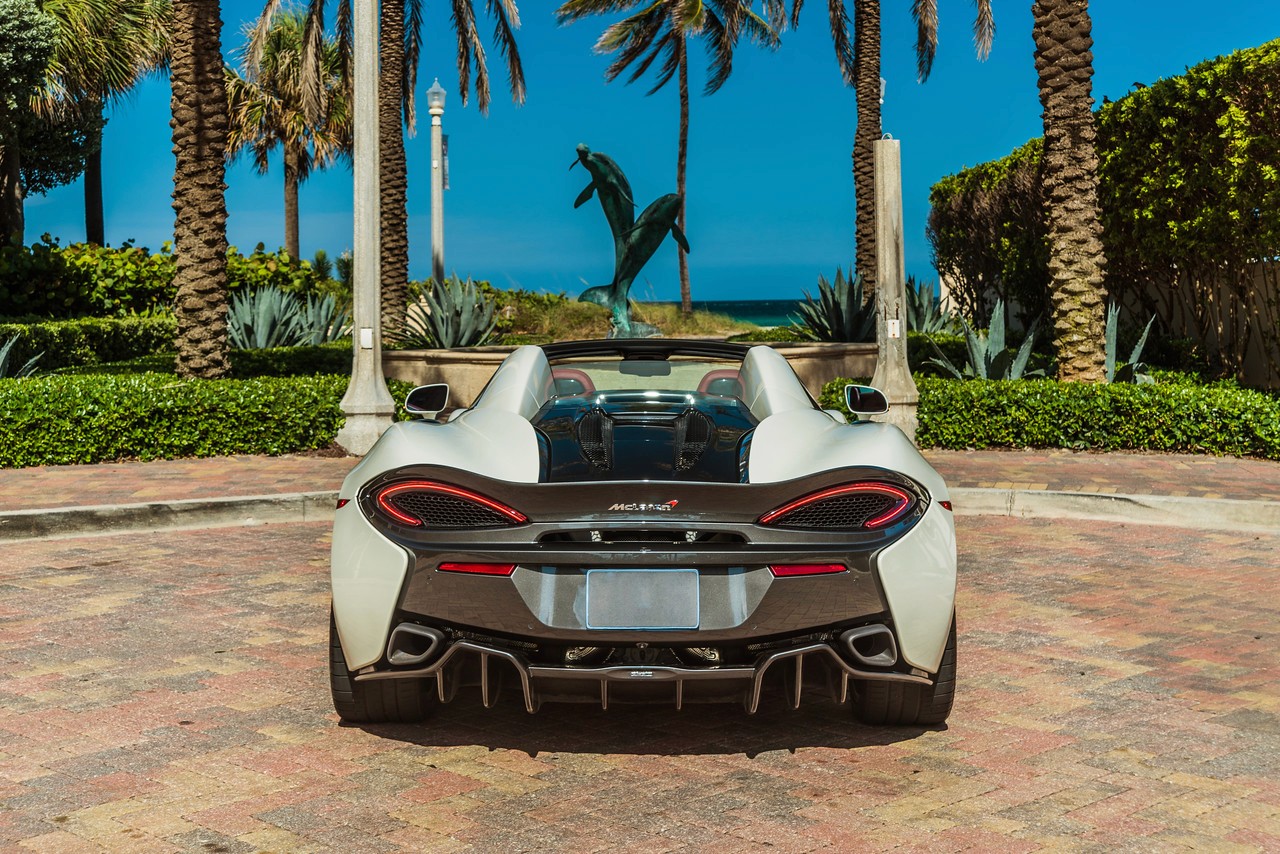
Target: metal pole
<point>367,404</point>
<point>893,375</point>
<point>437,186</point>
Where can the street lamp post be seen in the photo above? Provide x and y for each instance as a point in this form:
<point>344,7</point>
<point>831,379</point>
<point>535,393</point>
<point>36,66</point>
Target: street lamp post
<point>367,405</point>
<point>435,106</point>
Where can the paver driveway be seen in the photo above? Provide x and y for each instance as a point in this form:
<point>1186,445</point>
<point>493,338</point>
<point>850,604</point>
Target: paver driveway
<point>1118,690</point>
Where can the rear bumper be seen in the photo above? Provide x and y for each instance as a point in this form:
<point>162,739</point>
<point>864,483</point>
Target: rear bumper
<point>465,662</point>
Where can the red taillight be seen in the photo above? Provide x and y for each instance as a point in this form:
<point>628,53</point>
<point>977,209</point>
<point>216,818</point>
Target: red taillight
<point>901,502</point>
<point>385,495</point>
<point>946,505</point>
<point>791,570</point>
<point>343,502</point>
<point>479,568</point>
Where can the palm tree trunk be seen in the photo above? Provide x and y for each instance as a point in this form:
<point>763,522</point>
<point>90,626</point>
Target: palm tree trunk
<point>94,222</point>
<point>866,52</point>
<point>392,180</point>
<point>199,106</point>
<point>12,225</point>
<point>682,154</point>
<point>1064,63</point>
<point>291,157</point>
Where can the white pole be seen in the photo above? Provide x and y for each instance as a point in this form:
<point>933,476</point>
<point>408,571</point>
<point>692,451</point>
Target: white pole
<point>367,404</point>
<point>436,108</point>
<point>893,374</point>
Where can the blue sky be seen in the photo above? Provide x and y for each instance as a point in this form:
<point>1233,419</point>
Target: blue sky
<point>770,191</point>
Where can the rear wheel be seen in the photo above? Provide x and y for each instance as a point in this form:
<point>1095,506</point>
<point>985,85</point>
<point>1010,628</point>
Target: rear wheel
<point>378,700</point>
<point>906,704</point>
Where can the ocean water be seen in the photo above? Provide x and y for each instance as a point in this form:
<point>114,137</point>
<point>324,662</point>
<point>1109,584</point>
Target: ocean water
<point>762,312</point>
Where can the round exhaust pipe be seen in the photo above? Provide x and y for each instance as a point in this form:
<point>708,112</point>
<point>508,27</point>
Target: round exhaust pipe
<point>872,645</point>
<point>411,644</point>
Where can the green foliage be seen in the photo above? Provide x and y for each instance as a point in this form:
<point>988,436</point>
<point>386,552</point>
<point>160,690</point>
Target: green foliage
<point>449,314</point>
<point>774,333</point>
<point>1182,417</point>
<point>987,356</point>
<point>26,370</point>
<point>332,358</point>
<point>262,269</point>
<point>89,341</point>
<point>270,317</point>
<point>924,308</point>
<point>54,150</point>
<point>839,313</point>
<point>27,40</point>
<point>1132,370</point>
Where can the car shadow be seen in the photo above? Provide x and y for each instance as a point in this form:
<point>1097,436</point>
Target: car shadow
<point>651,730</point>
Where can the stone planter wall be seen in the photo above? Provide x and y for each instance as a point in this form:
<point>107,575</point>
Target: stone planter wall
<point>466,370</point>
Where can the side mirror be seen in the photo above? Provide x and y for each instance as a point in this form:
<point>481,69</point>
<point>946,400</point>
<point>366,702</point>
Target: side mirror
<point>865,400</point>
<point>427,400</point>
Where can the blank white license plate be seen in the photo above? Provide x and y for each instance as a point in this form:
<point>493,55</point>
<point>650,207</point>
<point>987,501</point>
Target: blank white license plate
<point>642,599</point>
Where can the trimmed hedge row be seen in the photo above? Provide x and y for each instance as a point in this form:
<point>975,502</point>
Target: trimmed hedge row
<point>89,340</point>
<point>1182,417</point>
<point>54,420</point>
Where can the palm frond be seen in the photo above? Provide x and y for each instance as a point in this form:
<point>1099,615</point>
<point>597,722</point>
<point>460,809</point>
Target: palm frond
<point>984,28</point>
<point>506,20</point>
<point>925,13</point>
<point>412,50</point>
<point>838,17</point>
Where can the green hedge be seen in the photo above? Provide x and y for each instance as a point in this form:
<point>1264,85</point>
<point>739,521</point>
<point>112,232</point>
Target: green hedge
<point>1182,417</point>
<point>89,341</point>
<point>55,420</point>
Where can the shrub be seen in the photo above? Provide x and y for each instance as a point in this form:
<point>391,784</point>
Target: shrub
<point>452,313</point>
<point>88,341</point>
<point>839,313</point>
<point>15,370</point>
<point>1183,417</point>
<point>987,356</point>
<point>270,317</point>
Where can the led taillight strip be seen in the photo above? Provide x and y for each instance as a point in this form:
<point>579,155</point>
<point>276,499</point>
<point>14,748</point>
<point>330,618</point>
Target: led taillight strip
<point>902,497</point>
<point>793,570</point>
<point>389,492</point>
<point>479,568</point>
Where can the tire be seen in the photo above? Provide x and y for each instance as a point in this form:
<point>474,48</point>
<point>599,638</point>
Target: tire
<point>378,700</point>
<point>906,704</point>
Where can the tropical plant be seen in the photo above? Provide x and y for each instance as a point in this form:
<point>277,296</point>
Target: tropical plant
<point>400,45</point>
<point>988,358</point>
<point>925,312</point>
<point>270,109</point>
<point>858,59</point>
<point>839,313</point>
<point>199,106</point>
<point>1131,371</point>
<point>25,371</point>
<point>661,29</point>
<point>269,317</point>
<point>103,48</point>
<point>448,314</point>
<point>27,39</point>
<point>1077,264</point>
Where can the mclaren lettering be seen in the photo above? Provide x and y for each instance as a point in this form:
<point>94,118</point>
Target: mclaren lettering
<point>645,508</point>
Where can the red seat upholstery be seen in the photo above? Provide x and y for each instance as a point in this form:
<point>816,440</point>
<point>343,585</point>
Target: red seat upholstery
<point>722,381</point>
<point>571,381</point>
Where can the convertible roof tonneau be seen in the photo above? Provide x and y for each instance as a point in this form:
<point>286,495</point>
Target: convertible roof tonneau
<point>645,348</point>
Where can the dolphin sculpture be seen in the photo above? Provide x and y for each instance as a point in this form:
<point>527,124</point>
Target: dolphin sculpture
<point>608,182</point>
<point>637,246</point>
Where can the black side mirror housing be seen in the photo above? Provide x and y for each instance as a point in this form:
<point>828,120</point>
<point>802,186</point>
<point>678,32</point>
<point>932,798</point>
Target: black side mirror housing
<point>426,401</point>
<point>865,400</point>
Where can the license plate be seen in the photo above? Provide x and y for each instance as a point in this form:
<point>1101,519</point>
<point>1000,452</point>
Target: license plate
<point>642,599</point>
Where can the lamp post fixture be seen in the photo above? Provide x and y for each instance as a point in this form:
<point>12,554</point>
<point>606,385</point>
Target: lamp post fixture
<point>367,405</point>
<point>435,106</point>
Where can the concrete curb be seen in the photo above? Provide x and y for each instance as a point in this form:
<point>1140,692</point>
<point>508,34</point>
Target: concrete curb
<point>1216,514</point>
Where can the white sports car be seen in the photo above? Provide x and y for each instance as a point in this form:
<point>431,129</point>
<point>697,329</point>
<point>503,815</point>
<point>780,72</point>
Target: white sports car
<point>640,521</point>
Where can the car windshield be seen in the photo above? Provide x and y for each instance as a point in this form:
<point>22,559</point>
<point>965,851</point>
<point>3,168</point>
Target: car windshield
<point>596,374</point>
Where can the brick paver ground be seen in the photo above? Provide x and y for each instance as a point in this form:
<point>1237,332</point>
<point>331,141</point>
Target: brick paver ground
<point>1119,690</point>
<point>167,480</point>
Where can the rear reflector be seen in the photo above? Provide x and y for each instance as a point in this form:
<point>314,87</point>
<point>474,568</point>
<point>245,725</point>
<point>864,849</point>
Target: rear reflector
<point>479,568</point>
<point>343,502</point>
<point>946,505</point>
<point>791,570</point>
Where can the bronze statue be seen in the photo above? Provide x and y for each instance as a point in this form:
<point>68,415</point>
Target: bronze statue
<point>634,241</point>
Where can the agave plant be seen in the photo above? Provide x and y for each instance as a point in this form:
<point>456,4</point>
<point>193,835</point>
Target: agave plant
<point>25,371</point>
<point>263,317</point>
<point>838,314</point>
<point>988,358</point>
<point>448,314</point>
<point>924,309</point>
<point>1132,370</point>
<point>321,319</point>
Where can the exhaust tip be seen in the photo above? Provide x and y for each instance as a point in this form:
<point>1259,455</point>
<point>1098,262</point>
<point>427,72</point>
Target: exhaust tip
<point>412,644</point>
<point>873,645</point>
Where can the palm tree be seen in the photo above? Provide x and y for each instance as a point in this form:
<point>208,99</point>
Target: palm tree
<point>199,106</point>
<point>662,30</point>
<point>399,49</point>
<point>103,49</point>
<point>268,111</point>
<point>858,60</point>
<point>1069,169</point>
